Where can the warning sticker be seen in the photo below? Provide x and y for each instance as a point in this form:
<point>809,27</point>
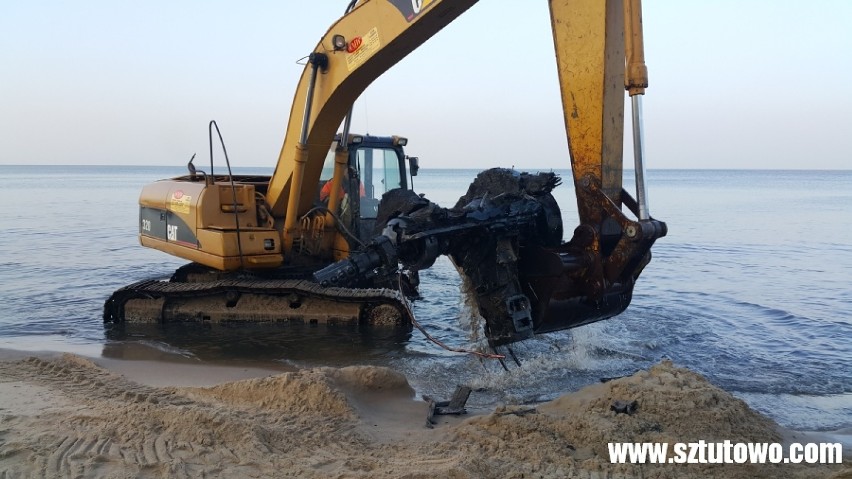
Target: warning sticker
<point>362,48</point>
<point>179,202</point>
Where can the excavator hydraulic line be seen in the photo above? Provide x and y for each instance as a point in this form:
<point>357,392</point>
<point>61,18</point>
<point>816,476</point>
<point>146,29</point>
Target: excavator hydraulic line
<point>636,73</point>
<point>344,138</point>
<point>341,157</point>
<point>317,61</point>
<point>347,123</point>
<point>639,157</point>
<point>635,81</point>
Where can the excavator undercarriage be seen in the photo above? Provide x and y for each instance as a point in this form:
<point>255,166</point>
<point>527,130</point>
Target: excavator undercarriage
<point>258,300</point>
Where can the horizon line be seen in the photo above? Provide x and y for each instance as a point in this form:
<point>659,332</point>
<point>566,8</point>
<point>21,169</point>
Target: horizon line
<point>434,168</point>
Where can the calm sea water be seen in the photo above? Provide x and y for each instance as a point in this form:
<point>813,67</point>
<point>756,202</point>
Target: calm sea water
<point>751,288</point>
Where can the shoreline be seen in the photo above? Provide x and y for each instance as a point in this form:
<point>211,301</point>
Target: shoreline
<point>175,416</point>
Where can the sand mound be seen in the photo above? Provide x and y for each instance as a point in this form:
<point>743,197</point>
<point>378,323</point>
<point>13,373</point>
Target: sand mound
<point>570,434</point>
<point>308,392</point>
<point>316,392</point>
<point>351,422</point>
<point>673,404</point>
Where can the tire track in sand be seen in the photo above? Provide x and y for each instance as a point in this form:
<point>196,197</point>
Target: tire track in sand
<point>120,426</point>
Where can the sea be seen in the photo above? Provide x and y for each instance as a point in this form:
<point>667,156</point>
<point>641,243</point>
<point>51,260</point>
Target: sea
<point>752,288</point>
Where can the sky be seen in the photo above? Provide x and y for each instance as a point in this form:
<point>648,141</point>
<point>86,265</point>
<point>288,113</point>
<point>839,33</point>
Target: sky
<point>733,84</point>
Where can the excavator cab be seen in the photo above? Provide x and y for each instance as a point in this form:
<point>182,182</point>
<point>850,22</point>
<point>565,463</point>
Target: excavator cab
<point>375,165</point>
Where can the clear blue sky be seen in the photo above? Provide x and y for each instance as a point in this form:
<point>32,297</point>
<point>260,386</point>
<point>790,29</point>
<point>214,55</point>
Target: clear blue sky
<point>734,84</point>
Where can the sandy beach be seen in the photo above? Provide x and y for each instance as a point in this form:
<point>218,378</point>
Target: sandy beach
<point>62,415</point>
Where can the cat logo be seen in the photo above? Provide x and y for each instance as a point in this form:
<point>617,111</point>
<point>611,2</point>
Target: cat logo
<point>411,8</point>
<point>171,232</point>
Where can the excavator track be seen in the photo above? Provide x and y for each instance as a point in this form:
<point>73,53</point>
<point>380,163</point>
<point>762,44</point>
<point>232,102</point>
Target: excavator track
<point>257,301</point>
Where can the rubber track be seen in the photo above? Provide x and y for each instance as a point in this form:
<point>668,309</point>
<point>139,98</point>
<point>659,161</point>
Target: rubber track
<point>155,289</point>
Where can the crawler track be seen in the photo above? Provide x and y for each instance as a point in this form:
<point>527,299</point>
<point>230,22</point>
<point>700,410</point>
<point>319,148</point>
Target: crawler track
<point>252,300</point>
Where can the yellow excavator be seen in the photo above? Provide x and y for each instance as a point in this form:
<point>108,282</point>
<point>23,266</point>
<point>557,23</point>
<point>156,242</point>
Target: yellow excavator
<point>336,236</point>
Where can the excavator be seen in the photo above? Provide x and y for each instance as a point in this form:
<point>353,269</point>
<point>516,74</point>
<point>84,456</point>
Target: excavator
<point>337,236</point>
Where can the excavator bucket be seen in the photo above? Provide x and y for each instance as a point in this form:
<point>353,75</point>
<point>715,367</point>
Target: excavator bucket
<point>520,276</point>
<point>533,283</point>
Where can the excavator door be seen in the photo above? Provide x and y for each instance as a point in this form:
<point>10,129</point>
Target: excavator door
<point>376,165</point>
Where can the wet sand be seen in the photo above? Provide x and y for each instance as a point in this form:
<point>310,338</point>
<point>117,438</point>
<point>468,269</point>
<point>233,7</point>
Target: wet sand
<point>62,415</point>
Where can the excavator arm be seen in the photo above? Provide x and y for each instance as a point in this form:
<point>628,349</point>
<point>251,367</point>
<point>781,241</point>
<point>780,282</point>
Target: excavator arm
<point>589,42</point>
<point>508,248</point>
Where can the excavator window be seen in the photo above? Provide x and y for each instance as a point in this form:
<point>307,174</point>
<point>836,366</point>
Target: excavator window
<point>379,170</point>
<point>328,166</point>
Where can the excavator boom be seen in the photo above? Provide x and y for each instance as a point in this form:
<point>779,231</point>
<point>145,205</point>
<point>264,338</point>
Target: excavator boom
<point>357,49</point>
<point>588,38</point>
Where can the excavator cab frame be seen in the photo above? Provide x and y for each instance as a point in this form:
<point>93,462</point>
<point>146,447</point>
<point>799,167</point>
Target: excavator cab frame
<point>375,165</point>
